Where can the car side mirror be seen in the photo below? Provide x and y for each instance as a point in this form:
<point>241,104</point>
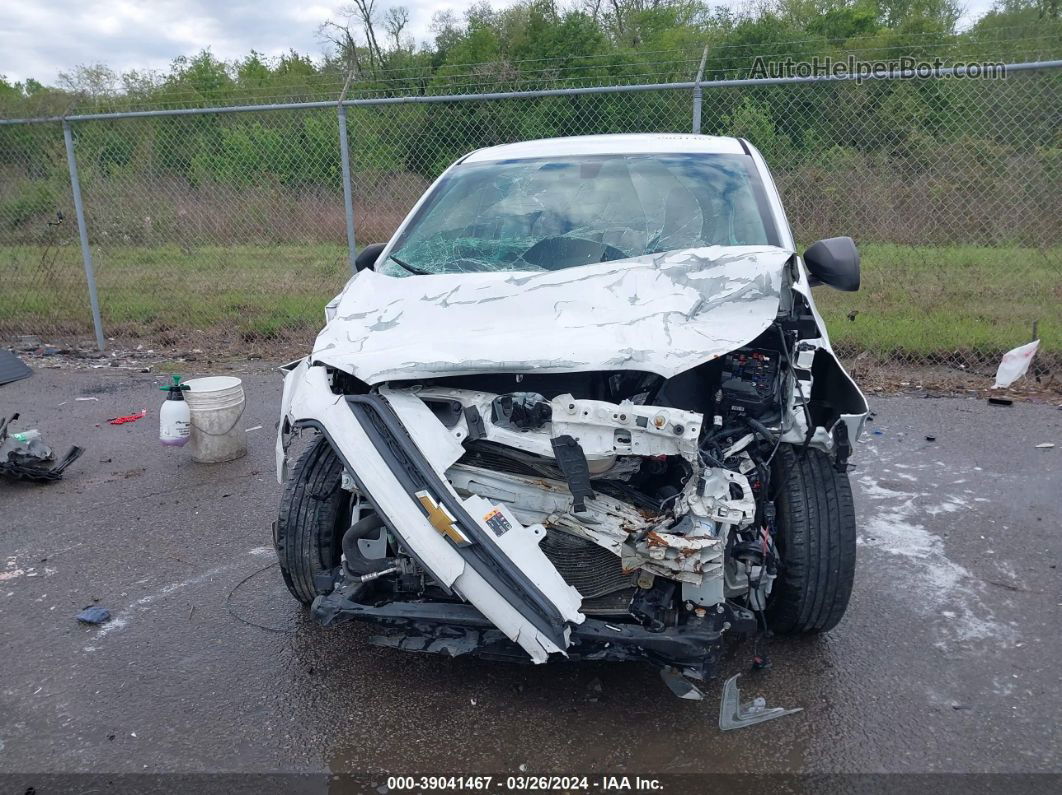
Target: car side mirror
<point>367,257</point>
<point>834,261</point>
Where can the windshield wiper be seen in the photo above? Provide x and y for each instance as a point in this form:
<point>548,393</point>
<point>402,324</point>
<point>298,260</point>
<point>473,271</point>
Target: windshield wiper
<point>409,267</point>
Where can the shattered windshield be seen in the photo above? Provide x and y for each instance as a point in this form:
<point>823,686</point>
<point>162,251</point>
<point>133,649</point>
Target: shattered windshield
<point>554,213</point>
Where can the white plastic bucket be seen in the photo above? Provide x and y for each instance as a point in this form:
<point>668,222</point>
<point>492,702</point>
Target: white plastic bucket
<point>216,406</point>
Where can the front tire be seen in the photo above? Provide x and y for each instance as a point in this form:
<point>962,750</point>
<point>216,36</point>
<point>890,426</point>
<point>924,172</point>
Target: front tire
<point>815,532</point>
<point>314,513</point>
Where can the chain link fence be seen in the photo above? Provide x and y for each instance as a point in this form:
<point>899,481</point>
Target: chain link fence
<point>227,230</point>
<point>42,280</point>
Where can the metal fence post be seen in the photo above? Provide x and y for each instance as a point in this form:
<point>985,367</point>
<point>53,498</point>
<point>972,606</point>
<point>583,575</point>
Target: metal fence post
<point>348,198</point>
<point>82,231</point>
<point>698,93</point>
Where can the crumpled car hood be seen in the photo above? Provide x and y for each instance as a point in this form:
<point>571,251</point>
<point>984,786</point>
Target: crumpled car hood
<point>662,314</point>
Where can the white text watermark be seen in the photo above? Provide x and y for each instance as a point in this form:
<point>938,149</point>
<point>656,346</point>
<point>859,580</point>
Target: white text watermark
<point>851,68</point>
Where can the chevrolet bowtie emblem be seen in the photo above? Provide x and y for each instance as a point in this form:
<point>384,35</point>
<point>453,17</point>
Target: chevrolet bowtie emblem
<point>441,519</point>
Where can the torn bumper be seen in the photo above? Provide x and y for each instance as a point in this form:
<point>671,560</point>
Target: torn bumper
<point>457,629</point>
<point>470,547</point>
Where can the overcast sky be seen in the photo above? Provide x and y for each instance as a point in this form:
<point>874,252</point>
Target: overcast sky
<point>41,38</point>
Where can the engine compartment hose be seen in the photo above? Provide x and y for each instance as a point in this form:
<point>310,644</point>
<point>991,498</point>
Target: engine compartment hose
<point>356,563</point>
<point>762,429</point>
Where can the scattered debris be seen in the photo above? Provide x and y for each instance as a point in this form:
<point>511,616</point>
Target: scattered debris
<point>1045,445</point>
<point>29,458</point>
<point>998,401</point>
<point>680,685</point>
<point>1015,364</point>
<point>128,418</point>
<point>134,359</point>
<point>41,474</point>
<point>27,447</point>
<point>735,715</point>
<point>594,690</point>
<point>94,615</point>
<point>12,368</point>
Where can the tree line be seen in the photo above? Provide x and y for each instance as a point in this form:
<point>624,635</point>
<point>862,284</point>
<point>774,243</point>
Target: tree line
<point>370,52</point>
<point>897,136</point>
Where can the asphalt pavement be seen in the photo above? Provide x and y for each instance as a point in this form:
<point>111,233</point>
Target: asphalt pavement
<point>947,660</point>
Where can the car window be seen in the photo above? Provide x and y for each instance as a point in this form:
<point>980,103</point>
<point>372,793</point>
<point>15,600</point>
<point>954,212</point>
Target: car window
<point>554,213</point>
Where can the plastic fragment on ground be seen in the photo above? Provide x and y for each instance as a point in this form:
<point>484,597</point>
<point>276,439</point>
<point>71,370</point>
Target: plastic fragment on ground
<point>12,368</point>
<point>680,685</point>
<point>1014,364</point>
<point>94,615</point>
<point>735,715</point>
<point>128,418</point>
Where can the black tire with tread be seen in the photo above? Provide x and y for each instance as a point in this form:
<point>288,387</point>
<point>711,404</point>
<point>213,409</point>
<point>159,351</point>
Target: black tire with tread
<point>312,508</point>
<point>816,539</point>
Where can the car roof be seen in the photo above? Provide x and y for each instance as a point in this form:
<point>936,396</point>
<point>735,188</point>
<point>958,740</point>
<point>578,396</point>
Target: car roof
<point>626,144</point>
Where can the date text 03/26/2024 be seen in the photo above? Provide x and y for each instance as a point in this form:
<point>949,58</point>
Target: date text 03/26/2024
<point>525,783</point>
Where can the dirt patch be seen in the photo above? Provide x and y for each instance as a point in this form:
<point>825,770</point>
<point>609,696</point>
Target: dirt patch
<point>1043,384</point>
<point>878,378</point>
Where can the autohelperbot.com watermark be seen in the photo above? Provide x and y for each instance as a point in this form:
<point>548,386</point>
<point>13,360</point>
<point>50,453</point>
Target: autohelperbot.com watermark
<point>854,69</point>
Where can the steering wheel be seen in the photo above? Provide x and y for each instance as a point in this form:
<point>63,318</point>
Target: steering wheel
<point>556,253</point>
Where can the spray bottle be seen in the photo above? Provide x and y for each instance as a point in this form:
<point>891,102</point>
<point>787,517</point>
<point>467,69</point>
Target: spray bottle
<point>175,420</point>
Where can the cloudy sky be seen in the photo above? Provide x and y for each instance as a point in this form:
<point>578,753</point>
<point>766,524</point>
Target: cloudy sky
<point>41,38</point>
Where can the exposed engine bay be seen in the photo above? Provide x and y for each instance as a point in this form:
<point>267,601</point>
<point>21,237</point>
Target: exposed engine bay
<point>618,515</point>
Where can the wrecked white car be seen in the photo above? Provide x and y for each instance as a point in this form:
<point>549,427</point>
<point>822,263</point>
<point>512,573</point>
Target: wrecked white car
<point>580,405</point>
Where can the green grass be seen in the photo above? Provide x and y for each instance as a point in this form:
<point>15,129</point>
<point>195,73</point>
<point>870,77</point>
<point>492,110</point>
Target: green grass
<point>929,301</point>
<point>914,301</point>
<point>237,293</point>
